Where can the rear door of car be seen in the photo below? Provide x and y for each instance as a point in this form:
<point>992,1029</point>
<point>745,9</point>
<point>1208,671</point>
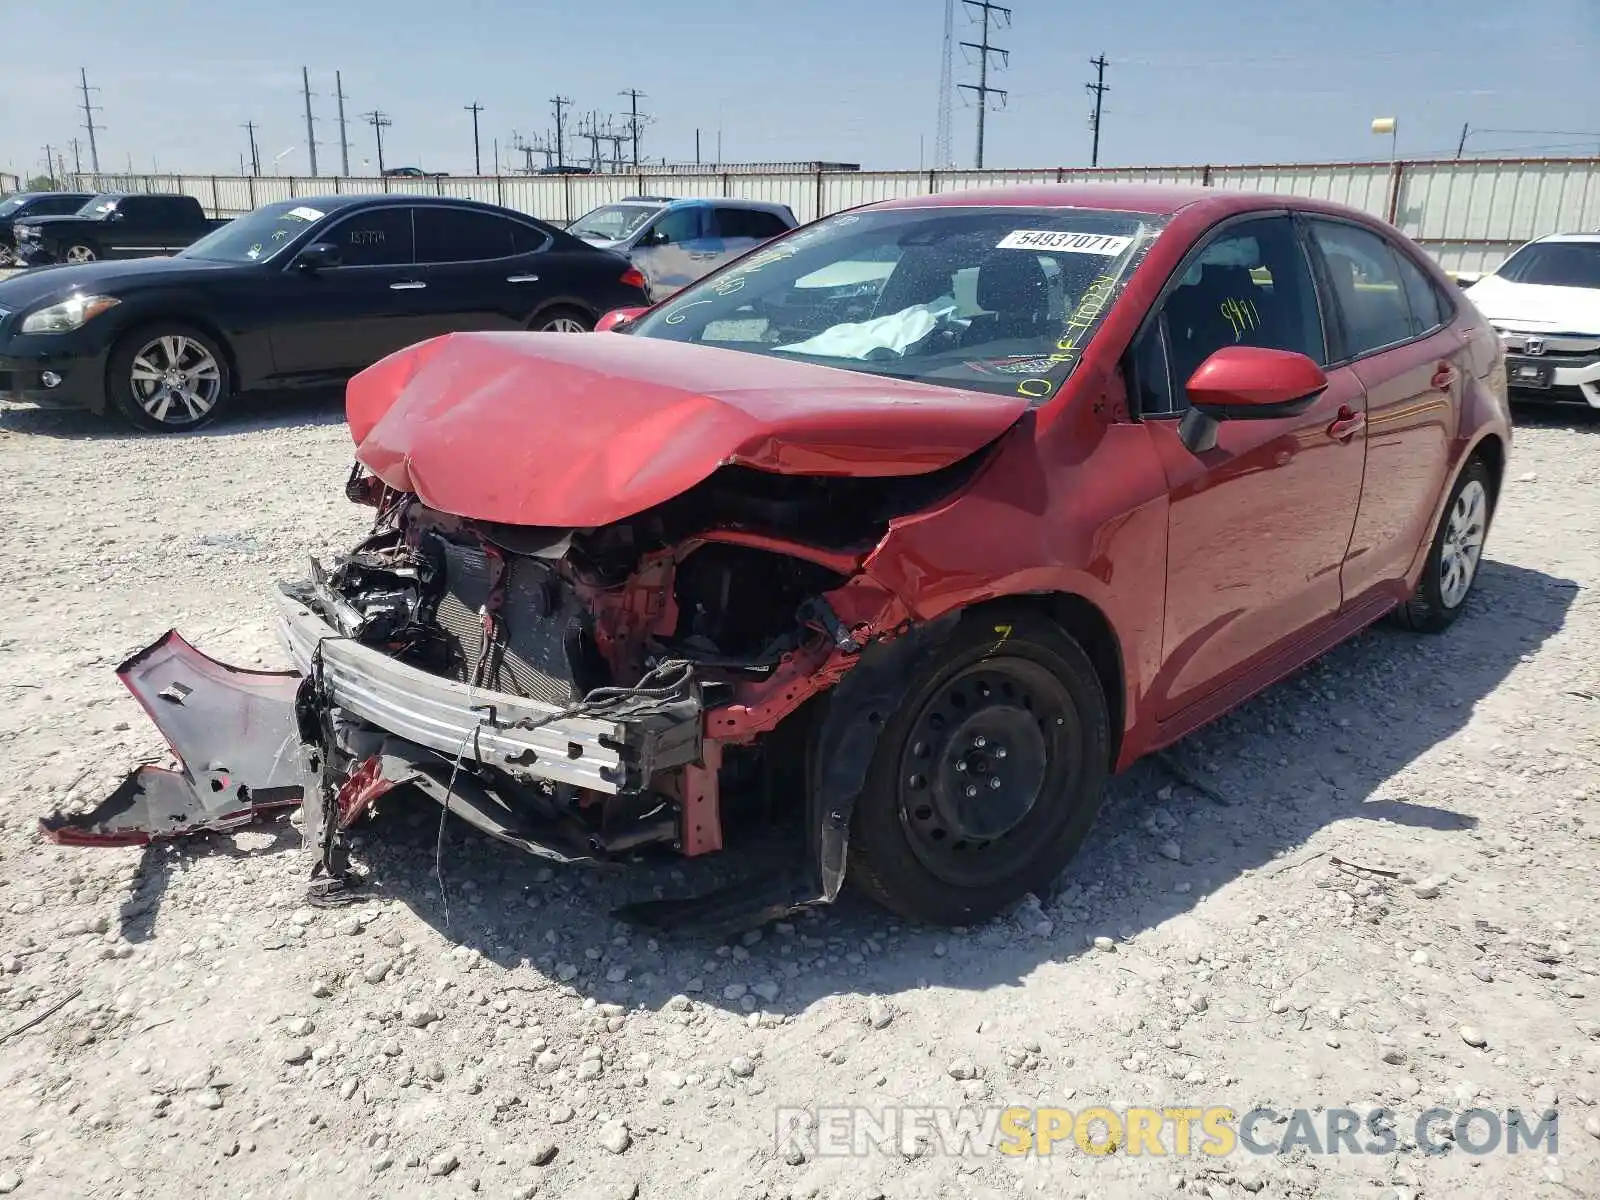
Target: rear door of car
<point>1259,525</point>
<point>1393,327</point>
<point>742,229</point>
<point>480,270</point>
<point>337,320</point>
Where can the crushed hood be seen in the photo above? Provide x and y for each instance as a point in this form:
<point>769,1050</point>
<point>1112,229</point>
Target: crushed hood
<point>579,430</point>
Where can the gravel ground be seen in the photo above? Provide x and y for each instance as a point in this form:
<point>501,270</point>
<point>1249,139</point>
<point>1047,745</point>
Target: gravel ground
<point>1382,893</point>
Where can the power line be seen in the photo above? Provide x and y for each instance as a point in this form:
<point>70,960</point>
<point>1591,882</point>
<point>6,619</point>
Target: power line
<point>344,140</point>
<point>379,120</point>
<point>1099,89</point>
<point>477,159</point>
<point>561,104</point>
<point>634,95</point>
<point>88,118</point>
<point>255,155</point>
<point>311,137</point>
<point>941,138</point>
<point>985,49</point>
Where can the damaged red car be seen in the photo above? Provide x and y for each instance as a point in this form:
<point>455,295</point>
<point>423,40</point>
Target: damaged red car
<point>927,517</point>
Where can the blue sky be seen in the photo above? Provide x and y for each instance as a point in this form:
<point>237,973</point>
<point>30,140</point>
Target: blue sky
<point>857,80</point>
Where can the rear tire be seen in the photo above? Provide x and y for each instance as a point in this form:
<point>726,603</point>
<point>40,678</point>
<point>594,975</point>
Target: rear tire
<point>986,781</point>
<point>168,378</point>
<point>80,252</point>
<point>1453,558</point>
<point>562,319</point>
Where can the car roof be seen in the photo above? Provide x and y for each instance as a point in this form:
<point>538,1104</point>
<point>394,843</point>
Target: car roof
<point>330,204</point>
<point>1155,199</point>
<point>1571,237</point>
<point>693,201</point>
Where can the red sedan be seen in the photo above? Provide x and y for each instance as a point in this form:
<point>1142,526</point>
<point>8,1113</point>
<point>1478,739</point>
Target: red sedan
<point>924,519</point>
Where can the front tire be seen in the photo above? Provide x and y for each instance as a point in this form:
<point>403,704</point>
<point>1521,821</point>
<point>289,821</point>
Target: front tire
<point>1453,558</point>
<point>80,252</point>
<point>168,378</point>
<point>986,781</point>
<point>562,319</point>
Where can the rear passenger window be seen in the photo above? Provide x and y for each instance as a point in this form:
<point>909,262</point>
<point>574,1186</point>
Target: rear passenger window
<point>748,223</point>
<point>1365,275</point>
<point>1429,310</point>
<point>449,235</point>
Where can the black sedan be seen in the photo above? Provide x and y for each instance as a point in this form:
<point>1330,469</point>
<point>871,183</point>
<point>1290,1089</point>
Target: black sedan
<point>297,294</point>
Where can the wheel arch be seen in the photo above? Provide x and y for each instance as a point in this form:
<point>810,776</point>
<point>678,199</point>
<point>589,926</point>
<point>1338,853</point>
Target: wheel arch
<point>1491,450</point>
<point>555,302</point>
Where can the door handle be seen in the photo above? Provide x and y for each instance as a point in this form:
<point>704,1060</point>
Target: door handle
<point>409,285</point>
<point>522,279</point>
<point>1443,376</point>
<point>1347,424</point>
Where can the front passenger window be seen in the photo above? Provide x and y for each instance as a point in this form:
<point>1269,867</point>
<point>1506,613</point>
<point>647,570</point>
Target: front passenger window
<point>1250,286</point>
<point>679,225</point>
<point>379,237</point>
<point>1366,283</point>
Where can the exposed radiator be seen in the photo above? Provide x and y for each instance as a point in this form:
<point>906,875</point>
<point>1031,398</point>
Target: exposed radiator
<point>541,620</point>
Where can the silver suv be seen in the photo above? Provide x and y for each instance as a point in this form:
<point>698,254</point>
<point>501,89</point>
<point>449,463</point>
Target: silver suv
<point>674,242</point>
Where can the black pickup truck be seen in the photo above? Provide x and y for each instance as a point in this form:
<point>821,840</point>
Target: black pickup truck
<point>113,225</point>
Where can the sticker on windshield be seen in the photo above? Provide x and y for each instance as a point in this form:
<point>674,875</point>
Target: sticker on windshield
<point>304,213</point>
<point>1071,243</point>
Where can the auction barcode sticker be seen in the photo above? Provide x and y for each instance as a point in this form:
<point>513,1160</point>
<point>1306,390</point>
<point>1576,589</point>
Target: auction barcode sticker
<point>1073,243</point>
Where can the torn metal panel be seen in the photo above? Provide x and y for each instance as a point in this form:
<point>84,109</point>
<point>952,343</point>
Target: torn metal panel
<point>233,733</point>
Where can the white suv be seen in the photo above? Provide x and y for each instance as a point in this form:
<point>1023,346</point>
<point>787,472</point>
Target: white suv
<point>1545,303</point>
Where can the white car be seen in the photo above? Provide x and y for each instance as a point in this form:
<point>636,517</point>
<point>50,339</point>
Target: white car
<point>1544,301</point>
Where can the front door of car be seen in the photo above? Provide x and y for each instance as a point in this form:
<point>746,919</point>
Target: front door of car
<point>1393,328</point>
<point>482,271</point>
<point>1257,526</point>
<point>674,250</point>
<point>339,319</point>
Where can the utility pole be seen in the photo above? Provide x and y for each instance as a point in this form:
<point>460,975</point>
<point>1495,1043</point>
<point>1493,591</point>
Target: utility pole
<point>77,157</point>
<point>88,118</point>
<point>1099,89</point>
<point>379,120</point>
<point>344,141</point>
<point>1462,144</point>
<point>497,157</point>
<point>255,155</point>
<point>986,11</point>
<point>634,95</point>
<point>311,137</point>
<point>477,159</point>
<point>942,157</point>
<point>697,147</point>
<point>50,163</point>
<point>561,104</point>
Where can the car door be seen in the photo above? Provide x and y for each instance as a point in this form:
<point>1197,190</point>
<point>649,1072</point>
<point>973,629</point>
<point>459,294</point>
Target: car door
<point>140,227</point>
<point>740,230</point>
<point>674,250</point>
<point>1257,526</point>
<point>1393,328</point>
<point>481,270</point>
<point>337,320</point>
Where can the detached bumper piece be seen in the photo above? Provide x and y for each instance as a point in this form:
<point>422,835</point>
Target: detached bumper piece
<point>233,733</point>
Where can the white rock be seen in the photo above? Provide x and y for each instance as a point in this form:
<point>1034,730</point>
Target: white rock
<point>300,1027</point>
<point>879,1014</point>
<point>1472,1037</point>
<point>614,1137</point>
<point>443,1164</point>
<point>10,1181</point>
<point>588,1069</point>
<point>1104,943</point>
<point>296,1052</point>
<point>419,1015</point>
<point>962,1068</point>
<point>742,1066</point>
<point>209,1098</point>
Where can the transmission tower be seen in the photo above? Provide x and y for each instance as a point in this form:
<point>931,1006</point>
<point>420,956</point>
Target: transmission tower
<point>988,14</point>
<point>88,119</point>
<point>941,138</point>
<point>311,136</point>
<point>635,120</point>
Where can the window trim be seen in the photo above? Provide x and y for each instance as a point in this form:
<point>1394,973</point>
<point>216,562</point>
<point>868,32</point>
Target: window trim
<point>1325,280</point>
<point>1203,243</point>
<point>549,239</point>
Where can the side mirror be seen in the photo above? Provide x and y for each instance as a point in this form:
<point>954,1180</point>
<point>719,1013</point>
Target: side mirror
<point>318,256</point>
<point>618,318</point>
<point>655,237</point>
<point>116,215</point>
<point>1247,383</point>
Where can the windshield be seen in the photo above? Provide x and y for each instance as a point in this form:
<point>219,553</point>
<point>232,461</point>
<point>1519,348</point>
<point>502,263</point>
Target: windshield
<point>1563,264</point>
<point>613,222</point>
<point>99,206</point>
<point>256,236</point>
<point>991,299</point>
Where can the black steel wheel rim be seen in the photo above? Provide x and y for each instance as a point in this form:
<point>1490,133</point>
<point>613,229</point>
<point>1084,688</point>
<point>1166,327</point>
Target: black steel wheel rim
<point>987,756</point>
